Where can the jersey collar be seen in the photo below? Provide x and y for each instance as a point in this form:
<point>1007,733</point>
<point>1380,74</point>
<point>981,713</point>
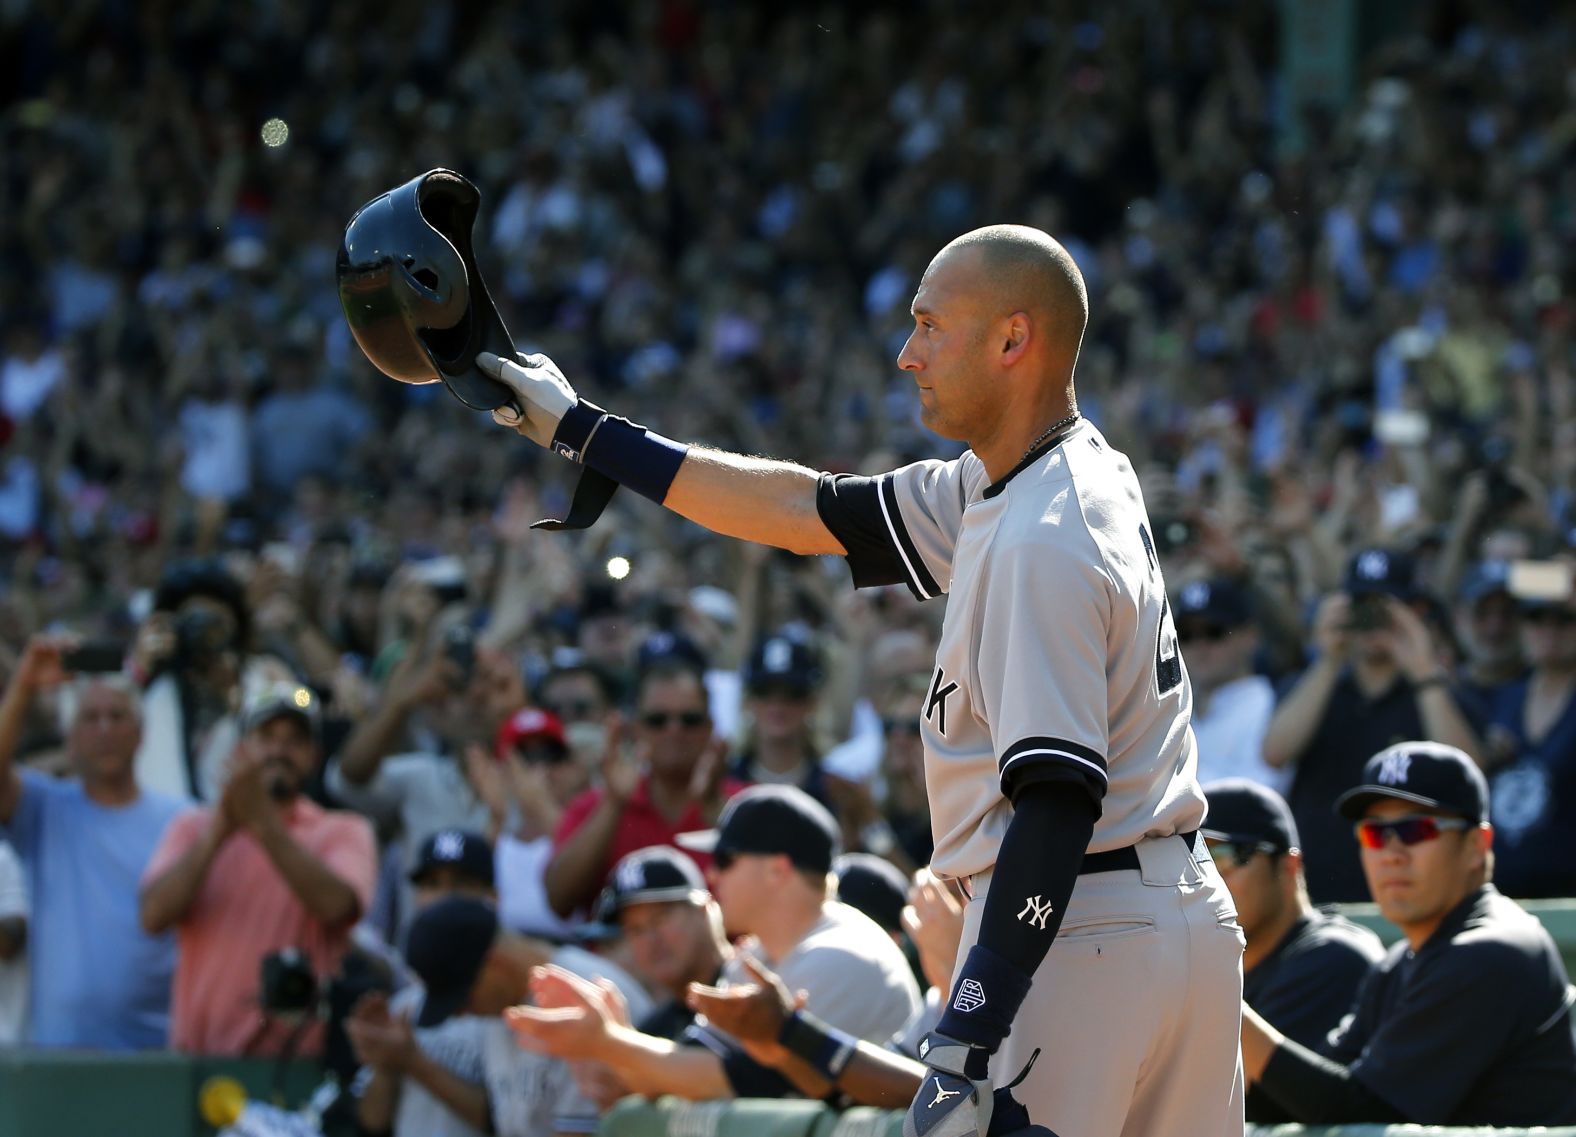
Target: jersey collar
<point>1031,458</point>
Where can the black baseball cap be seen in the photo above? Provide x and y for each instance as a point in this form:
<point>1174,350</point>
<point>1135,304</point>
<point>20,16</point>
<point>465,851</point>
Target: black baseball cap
<point>783,662</point>
<point>1219,601</point>
<point>1386,572</point>
<point>670,647</point>
<point>768,820</point>
<point>466,853</point>
<point>446,948</point>
<point>658,874</point>
<point>875,886</point>
<point>1428,773</point>
<point>1243,810</point>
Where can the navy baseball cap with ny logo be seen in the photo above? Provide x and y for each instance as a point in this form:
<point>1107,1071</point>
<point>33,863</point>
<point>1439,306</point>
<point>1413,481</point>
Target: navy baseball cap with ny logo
<point>1428,773</point>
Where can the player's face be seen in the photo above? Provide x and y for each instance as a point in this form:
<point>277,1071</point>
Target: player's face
<point>1251,881</point>
<point>665,941</point>
<point>1416,885</point>
<point>948,351</point>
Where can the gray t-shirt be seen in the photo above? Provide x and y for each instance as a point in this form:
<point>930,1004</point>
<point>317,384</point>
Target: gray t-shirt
<point>855,976</point>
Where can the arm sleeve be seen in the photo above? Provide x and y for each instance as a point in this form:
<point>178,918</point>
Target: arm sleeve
<point>1041,664</point>
<point>898,527</point>
<point>1317,1091</point>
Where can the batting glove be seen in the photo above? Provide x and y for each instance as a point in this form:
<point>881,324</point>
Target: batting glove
<point>956,1098</point>
<point>540,390</point>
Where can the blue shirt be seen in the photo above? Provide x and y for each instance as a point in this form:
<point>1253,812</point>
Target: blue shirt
<point>99,981</point>
<point>1533,800</point>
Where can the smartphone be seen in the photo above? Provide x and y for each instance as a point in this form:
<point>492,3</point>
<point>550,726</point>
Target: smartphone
<point>1401,428</point>
<point>459,645</point>
<point>1544,581</point>
<point>94,656</point>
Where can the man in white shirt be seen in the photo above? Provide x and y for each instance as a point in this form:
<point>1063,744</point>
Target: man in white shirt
<point>1231,705</point>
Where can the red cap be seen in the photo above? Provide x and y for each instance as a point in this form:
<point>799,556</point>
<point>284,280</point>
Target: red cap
<point>529,725</point>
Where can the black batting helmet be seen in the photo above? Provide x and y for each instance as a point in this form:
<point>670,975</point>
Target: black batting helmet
<point>411,291</point>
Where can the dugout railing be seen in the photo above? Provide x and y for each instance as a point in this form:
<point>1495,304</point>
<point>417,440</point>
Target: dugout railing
<point>52,1094</point>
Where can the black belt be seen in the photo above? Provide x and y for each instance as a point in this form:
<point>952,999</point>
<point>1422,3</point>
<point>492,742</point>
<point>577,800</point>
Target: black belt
<point>1125,858</point>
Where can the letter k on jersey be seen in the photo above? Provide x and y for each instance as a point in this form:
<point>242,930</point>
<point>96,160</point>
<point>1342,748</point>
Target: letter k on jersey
<point>936,702</point>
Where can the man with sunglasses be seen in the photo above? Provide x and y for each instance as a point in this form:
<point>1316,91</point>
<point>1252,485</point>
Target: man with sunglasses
<point>1466,1021</point>
<point>1302,965</point>
<point>674,783</point>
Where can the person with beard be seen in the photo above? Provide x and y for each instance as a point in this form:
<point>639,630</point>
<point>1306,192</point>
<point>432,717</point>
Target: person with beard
<point>263,870</point>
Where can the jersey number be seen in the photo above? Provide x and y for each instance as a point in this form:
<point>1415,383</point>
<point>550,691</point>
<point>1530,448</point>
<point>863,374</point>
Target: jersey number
<point>1168,660</point>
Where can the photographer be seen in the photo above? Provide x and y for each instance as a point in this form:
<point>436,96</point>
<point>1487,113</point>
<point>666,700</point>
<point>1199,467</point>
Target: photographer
<point>1378,676</point>
<point>264,870</point>
<point>192,653</point>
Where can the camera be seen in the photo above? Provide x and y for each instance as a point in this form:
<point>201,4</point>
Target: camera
<point>459,647</point>
<point>1369,612</point>
<point>289,986</point>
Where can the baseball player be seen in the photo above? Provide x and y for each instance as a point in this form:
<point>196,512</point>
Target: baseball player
<point>1059,758</point>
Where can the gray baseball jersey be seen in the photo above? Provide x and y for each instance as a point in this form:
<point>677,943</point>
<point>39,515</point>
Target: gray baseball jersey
<point>1058,659</point>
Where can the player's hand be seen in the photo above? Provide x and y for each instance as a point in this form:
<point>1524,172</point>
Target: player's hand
<point>540,390</point>
<point>753,1013</point>
<point>933,919</point>
<point>950,1103</point>
<point>574,1031</point>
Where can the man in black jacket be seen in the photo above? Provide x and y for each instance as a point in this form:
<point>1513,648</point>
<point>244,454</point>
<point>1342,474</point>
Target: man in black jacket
<point>1466,1021</point>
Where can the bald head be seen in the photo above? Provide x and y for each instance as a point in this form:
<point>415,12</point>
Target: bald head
<point>1026,269</point>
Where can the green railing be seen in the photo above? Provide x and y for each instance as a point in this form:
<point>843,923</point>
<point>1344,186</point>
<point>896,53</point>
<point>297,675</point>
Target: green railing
<point>673,1118</point>
<point>57,1094</point>
<point>65,1094</point>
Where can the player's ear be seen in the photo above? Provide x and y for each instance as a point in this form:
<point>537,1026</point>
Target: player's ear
<point>1017,331</point>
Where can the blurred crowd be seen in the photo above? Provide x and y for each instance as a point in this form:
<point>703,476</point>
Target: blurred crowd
<point>244,571</point>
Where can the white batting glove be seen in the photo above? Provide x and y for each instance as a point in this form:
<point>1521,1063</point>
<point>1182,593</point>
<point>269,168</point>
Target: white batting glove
<point>540,390</point>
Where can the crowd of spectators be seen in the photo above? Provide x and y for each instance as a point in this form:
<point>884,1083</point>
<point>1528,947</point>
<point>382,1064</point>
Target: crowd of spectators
<point>241,570</point>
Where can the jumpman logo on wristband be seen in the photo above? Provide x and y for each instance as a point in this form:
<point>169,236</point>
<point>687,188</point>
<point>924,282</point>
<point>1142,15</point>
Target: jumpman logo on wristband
<point>1036,912</point>
<point>942,1094</point>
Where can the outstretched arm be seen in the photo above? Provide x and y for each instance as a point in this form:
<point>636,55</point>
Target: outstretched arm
<point>754,499</point>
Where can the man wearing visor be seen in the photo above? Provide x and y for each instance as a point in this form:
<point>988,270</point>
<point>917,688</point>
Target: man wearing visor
<point>1466,1021</point>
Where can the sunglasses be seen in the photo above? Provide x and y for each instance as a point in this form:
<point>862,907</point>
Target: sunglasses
<point>1411,830</point>
<point>723,859</point>
<point>1553,617</point>
<point>1208,633</point>
<point>1235,854</point>
<point>900,726</point>
<point>571,709</point>
<point>656,720</point>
